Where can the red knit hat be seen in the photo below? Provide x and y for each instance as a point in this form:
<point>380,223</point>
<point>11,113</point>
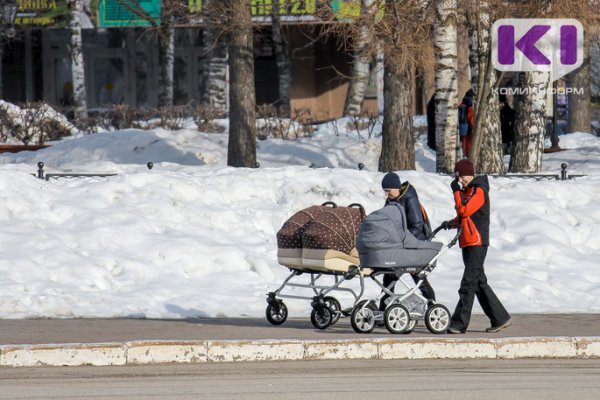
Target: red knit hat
<point>464,167</point>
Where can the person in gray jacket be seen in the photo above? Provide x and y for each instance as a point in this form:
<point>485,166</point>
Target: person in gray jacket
<point>405,196</point>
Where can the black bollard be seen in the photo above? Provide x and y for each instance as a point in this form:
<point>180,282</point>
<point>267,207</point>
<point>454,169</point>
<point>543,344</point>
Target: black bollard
<point>563,171</point>
<point>150,165</point>
<point>40,172</point>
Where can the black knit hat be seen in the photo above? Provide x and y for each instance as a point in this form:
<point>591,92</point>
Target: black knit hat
<point>391,180</point>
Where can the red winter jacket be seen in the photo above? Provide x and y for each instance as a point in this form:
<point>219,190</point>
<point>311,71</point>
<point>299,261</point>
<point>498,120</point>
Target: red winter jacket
<point>473,212</point>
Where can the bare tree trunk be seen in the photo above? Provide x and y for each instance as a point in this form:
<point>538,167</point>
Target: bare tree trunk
<point>214,73</point>
<point>580,104</point>
<point>241,151</point>
<point>359,77</point>
<point>473,37</point>
<point>80,108</point>
<point>283,62</point>
<point>487,135</point>
<point>1,80</point>
<point>530,127</point>
<point>397,141</point>
<point>595,68</point>
<point>446,86</point>
<point>166,56</point>
<point>486,146</point>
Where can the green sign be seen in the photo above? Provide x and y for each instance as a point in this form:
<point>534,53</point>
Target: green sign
<point>122,13</point>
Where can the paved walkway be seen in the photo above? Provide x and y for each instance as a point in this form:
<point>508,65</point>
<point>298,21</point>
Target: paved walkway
<point>139,341</point>
<point>47,331</point>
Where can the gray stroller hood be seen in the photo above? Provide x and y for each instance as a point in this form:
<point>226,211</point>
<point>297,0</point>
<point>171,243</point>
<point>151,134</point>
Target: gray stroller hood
<point>384,242</point>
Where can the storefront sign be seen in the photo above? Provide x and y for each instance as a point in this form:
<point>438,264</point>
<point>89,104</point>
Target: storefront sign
<point>42,14</point>
<point>146,13</point>
<point>295,9</point>
<point>123,13</point>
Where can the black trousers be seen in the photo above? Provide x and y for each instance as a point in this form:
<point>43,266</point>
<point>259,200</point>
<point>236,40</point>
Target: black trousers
<point>474,284</point>
<point>426,289</point>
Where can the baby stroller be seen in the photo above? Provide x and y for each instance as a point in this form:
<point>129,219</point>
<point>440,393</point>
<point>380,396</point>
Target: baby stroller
<point>386,246</point>
<point>317,244</point>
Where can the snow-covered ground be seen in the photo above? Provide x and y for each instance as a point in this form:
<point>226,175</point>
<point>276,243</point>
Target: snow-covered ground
<point>193,237</point>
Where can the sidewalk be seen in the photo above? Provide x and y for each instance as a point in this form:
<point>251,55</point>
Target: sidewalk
<point>140,341</point>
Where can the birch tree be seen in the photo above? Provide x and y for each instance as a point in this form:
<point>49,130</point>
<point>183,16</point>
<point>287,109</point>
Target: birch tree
<point>446,85</point>
<point>166,62</point>
<point>214,73</point>
<point>486,146</point>
<point>359,77</point>
<point>531,104</point>
<point>1,57</point>
<point>530,127</point>
<point>80,107</point>
<point>284,72</point>
<point>402,37</point>
<point>171,12</point>
<point>472,19</point>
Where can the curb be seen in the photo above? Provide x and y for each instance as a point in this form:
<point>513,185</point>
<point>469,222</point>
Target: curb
<point>217,351</point>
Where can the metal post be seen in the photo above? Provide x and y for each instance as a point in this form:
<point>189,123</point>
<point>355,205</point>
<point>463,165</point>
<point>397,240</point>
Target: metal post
<point>563,171</point>
<point>40,172</point>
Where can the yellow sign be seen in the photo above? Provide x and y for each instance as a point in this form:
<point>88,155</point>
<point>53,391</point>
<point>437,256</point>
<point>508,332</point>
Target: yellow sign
<point>286,7</point>
<point>42,13</point>
<point>261,8</point>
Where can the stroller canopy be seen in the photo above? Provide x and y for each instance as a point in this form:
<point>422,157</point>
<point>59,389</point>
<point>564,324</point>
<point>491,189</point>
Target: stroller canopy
<point>384,241</point>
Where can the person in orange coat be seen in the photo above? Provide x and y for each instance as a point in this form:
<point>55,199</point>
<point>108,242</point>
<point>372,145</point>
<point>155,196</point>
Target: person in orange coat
<point>473,215</point>
<point>466,122</point>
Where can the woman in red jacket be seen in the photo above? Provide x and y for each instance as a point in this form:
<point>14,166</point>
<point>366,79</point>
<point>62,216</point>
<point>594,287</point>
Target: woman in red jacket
<point>473,215</point>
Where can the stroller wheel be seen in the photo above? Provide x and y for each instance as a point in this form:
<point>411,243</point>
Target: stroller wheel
<point>277,312</point>
<point>437,319</point>
<point>363,317</point>
<point>321,317</point>
<point>335,307</point>
<point>397,318</point>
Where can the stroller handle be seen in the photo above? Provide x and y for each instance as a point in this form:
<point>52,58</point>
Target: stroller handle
<point>454,239</point>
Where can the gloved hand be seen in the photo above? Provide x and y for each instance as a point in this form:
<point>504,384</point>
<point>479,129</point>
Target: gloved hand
<point>448,225</point>
<point>454,185</point>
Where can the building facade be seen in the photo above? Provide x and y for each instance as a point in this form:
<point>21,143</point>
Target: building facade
<point>121,60</point>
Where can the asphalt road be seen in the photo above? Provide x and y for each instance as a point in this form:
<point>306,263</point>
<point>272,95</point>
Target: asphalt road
<point>317,380</point>
<point>47,331</point>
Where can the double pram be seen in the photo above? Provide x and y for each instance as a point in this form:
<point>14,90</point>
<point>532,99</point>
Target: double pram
<point>317,244</point>
<point>339,244</point>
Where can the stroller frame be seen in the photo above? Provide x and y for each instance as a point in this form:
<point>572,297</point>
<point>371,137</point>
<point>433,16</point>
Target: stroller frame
<point>326,309</point>
<point>403,310</point>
